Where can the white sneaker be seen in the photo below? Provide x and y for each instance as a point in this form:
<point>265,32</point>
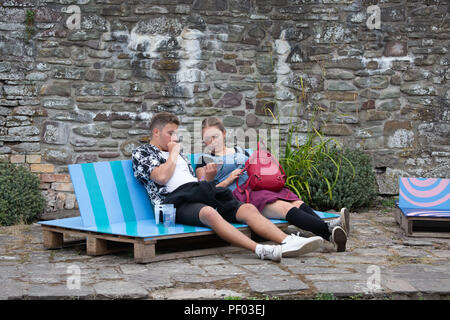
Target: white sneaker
<point>294,245</point>
<point>292,229</point>
<point>268,252</point>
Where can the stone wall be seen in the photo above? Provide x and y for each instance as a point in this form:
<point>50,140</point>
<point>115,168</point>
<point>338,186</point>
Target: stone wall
<point>73,93</point>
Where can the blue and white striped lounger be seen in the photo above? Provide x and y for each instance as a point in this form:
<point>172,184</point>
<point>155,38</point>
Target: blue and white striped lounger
<point>422,201</point>
<point>114,206</point>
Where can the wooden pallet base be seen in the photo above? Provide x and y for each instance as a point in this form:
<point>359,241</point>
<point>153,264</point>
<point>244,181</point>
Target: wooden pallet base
<point>145,251</point>
<point>423,227</point>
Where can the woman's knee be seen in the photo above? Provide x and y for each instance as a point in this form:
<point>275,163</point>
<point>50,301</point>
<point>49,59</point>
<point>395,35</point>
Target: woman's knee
<point>297,203</point>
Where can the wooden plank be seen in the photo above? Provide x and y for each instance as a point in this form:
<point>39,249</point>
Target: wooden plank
<point>403,221</point>
<point>420,234</point>
<point>144,252</point>
<point>144,249</point>
<point>52,240</point>
<point>96,246</point>
<point>407,225</point>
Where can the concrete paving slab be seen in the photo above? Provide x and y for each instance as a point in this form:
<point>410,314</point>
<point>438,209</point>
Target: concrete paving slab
<point>275,284</point>
<point>407,267</point>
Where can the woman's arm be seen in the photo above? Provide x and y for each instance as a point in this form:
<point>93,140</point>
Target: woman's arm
<point>230,179</point>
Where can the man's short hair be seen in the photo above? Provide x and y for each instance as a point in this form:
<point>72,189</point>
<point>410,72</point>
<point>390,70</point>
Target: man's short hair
<point>159,120</point>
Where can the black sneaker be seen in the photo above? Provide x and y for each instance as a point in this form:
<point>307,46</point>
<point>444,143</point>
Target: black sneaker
<point>339,238</point>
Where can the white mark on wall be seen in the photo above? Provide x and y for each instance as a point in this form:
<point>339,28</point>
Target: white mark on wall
<point>282,68</point>
<point>189,40</point>
<point>385,63</point>
<point>401,138</point>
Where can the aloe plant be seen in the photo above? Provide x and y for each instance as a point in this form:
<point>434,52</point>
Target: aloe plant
<point>300,161</point>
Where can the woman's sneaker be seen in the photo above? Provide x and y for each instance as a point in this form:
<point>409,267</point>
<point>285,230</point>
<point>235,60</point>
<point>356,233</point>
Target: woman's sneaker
<point>268,252</point>
<point>345,217</point>
<point>343,221</point>
<point>339,238</point>
<point>294,245</point>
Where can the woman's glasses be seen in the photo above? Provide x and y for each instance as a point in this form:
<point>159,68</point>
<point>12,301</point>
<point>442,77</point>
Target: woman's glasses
<point>208,140</point>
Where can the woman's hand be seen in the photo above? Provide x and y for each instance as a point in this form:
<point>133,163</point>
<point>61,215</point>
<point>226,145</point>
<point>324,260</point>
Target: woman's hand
<point>234,175</point>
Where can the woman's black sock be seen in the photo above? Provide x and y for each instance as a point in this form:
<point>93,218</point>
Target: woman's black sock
<point>308,222</point>
<point>308,209</point>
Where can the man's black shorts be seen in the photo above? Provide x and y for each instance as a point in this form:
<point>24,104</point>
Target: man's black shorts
<point>187,211</point>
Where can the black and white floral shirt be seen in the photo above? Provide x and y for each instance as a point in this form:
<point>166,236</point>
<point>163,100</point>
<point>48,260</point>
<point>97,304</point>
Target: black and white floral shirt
<point>145,158</point>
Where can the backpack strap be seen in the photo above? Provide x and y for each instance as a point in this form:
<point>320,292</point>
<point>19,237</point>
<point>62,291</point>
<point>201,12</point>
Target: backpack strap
<point>247,194</point>
<point>238,149</point>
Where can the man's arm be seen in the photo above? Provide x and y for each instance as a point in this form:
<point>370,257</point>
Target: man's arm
<point>164,172</point>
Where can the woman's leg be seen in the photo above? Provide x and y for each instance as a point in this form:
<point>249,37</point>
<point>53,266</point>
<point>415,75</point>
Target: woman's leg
<point>291,212</point>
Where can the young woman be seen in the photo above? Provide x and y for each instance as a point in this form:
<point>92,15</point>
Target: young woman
<point>223,165</point>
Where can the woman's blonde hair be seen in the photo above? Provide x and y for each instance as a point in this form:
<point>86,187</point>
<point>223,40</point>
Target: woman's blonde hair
<point>213,122</point>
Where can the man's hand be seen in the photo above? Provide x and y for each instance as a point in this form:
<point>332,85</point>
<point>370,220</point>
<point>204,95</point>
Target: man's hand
<point>174,148</point>
<point>164,172</point>
<point>210,171</point>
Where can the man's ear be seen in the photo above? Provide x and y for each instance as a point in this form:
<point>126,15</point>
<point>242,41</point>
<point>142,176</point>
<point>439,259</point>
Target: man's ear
<point>155,132</point>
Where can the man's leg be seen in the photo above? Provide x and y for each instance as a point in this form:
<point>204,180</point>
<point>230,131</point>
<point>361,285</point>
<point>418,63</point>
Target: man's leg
<point>247,213</point>
<point>210,217</point>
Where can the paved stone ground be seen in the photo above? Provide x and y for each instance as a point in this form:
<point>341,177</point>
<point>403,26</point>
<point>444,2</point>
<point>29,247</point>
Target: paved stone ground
<point>380,262</point>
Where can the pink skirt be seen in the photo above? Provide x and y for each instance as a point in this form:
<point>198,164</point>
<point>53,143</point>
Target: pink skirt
<point>262,197</point>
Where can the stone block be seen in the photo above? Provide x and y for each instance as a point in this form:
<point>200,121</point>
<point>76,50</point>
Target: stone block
<point>17,158</point>
<point>62,186</point>
<point>42,168</point>
<point>55,132</point>
<point>395,49</point>
<point>336,85</point>
<point>225,67</point>
<point>375,115</point>
<point>275,284</point>
<point>337,130</point>
<point>230,100</point>
<point>416,89</point>
<point>33,158</point>
<point>93,130</point>
<point>51,177</point>
<point>56,89</point>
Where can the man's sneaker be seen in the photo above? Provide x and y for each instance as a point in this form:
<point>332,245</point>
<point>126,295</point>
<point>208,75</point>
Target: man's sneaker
<point>292,229</point>
<point>339,238</point>
<point>268,252</point>
<point>294,245</point>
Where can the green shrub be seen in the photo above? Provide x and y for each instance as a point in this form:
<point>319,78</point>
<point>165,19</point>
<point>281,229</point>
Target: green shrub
<point>354,188</point>
<point>20,197</point>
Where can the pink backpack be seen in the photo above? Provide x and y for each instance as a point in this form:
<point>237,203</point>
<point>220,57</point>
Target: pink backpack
<point>264,173</point>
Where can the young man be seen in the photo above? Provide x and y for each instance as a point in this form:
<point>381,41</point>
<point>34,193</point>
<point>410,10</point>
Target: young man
<point>169,178</point>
